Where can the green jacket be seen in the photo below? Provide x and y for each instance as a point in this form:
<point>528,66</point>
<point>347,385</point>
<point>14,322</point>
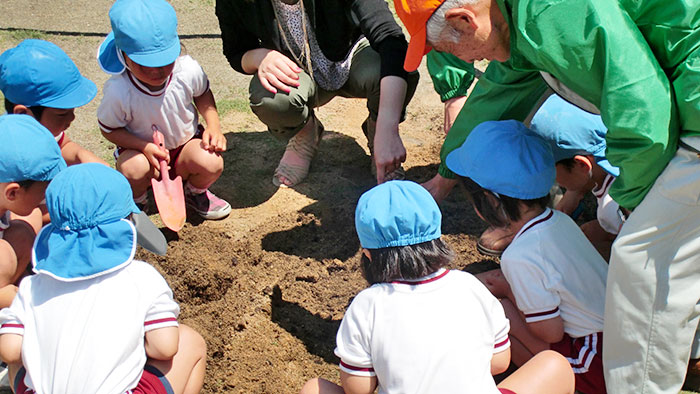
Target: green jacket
<point>451,76</point>
<point>622,56</point>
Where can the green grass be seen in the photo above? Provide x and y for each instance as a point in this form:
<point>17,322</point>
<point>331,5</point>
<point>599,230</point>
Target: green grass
<point>23,34</point>
<point>225,106</point>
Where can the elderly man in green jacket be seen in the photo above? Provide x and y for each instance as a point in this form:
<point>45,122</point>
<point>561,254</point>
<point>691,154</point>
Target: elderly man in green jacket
<point>637,63</point>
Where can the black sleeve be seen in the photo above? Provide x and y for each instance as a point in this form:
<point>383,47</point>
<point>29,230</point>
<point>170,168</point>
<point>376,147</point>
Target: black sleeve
<point>384,34</point>
<point>236,39</point>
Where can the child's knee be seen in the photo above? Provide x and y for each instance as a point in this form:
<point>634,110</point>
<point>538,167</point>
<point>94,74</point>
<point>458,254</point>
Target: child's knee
<point>202,161</point>
<point>192,341</point>
<point>135,167</point>
<point>8,263</point>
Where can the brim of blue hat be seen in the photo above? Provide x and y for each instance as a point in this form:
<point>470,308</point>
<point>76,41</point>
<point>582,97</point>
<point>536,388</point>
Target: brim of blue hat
<point>88,253</point>
<point>84,92</point>
<point>108,57</point>
<point>162,57</point>
<point>454,162</point>
<point>72,255</point>
<point>607,167</point>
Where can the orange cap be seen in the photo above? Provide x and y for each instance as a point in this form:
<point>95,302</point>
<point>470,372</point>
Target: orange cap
<point>415,14</point>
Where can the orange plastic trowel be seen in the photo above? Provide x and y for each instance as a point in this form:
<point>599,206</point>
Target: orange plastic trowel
<point>169,195</point>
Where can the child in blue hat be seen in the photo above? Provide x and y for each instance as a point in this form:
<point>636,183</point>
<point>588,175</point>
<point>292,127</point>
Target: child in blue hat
<point>92,319</point>
<point>153,84</point>
<point>29,159</point>
<point>552,280</point>
<point>577,139</point>
<point>421,328</point>
<point>37,78</point>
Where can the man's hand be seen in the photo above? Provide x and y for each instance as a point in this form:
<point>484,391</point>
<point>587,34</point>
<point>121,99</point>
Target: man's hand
<point>439,186</point>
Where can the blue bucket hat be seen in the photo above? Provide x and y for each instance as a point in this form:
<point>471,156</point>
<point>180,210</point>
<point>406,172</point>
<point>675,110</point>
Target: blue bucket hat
<point>90,233</point>
<point>571,131</point>
<point>397,213</point>
<point>507,158</point>
<point>28,151</point>
<point>37,72</point>
<point>146,30</point>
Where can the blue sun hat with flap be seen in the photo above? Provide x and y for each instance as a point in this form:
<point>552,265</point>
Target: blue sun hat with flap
<point>397,213</point>
<point>146,30</point>
<point>28,151</point>
<point>572,131</point>
<point>37,72</point>
<point>507,158</point>
<point>90,233</point>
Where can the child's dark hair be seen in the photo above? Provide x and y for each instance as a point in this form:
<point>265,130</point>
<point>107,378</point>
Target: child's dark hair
<point>37,110</point>
<point>26,184</point>
<point>568,163</point>
<point>506,211</point>
<point>405,262</point>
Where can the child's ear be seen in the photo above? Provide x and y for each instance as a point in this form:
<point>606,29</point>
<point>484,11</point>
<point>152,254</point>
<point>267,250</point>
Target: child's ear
<point>20,109</point>
<point>367,254</point>
<point>11,191</point>
<point>583,162</point>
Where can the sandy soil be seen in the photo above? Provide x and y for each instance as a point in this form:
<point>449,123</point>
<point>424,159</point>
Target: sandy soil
<point>268,285</point>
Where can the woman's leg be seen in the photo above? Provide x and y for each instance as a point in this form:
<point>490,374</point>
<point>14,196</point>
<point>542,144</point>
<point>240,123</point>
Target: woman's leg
<point>547,372</point>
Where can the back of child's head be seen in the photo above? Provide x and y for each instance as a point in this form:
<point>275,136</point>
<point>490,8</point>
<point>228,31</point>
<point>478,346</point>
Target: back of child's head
<point>37,74</point>
<point>398,222</point>
<point>28,151</point>
<point>144,30</point>
<point>89,234</point>
<point>571,131</point>
<point>509,161</point>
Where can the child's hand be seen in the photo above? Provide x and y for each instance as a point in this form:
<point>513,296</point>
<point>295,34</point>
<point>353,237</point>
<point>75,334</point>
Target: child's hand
<point>213,140</point>
<point>154,154</point>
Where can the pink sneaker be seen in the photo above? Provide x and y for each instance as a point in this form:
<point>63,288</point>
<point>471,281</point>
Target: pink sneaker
<point>208,205</point>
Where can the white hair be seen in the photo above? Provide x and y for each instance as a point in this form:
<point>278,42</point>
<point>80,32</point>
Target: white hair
<point>437,28</point>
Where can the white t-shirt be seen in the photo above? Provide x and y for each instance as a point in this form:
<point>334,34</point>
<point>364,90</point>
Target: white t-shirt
<point>87,336</point>
<point>607,212</point>
<point>129,104</point>
<point>434,335</point>
<point>553,271</point>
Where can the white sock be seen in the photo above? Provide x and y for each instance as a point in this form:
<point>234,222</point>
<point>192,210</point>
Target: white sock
<point>195,190</point>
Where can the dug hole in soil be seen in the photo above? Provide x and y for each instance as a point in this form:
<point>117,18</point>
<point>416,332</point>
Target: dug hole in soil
<point>267,286</point>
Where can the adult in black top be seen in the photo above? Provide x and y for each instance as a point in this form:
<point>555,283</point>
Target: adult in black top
<point>302,53</point>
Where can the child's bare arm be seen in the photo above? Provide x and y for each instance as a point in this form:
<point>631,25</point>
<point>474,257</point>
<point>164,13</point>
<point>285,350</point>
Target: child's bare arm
<point>74,154</point>
<point>11,348</point>
<point>500,362</point>
<point>162,343</point>
<point>121,137</point>
<point>550,330</point>
<point>213,139</point>
<point>353,384</point>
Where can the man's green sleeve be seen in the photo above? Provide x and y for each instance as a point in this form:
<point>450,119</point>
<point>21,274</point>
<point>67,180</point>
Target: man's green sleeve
<point>501,93</point>
<point>451,76</point>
